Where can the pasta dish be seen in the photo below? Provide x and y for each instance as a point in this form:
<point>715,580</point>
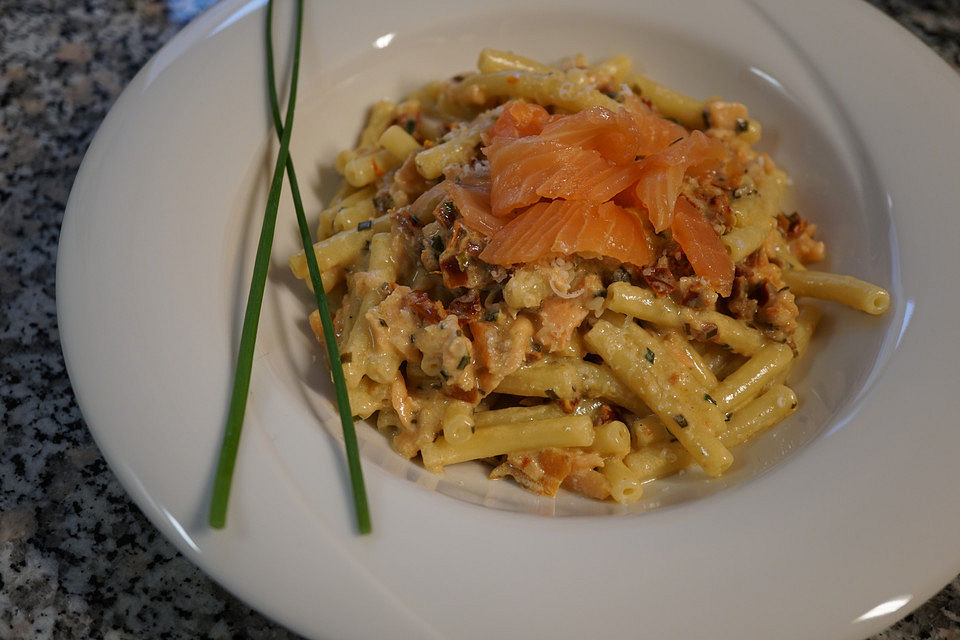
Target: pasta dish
<point>570,272</point>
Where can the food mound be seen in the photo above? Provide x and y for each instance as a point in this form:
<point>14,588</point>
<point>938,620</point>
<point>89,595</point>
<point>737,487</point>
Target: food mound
<point>569,272</point>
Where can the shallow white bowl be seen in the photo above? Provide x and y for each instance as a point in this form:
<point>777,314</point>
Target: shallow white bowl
<point>155,256</point>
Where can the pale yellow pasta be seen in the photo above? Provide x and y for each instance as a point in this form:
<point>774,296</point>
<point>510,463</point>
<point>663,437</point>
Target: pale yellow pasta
<point>398,142</point>
<point>746,382</point>
<point>612,439</point>
<point>599,381</point>
<point>388,421</point>
<point>689,357</point>
<point>657,461</point>
<point>643,304</point>
<point>357,352</point>
<point>544,379</point>
<point>639,360</point>
<point>648,430</point>
<point>367,167</point>
<point>625,485</point>
<point>338,249</point>
<point>526,289</point>
<point>742,241</point>
<point>806,324</point>
<point>847,290</point>
<point>457,421</point>
<point>494,60</point>
<point>325,227</point>
<point>380,115</point>
<point>611,71</point>
<point>758,415</point>
<point>754,212</point>
<point>331,278</point>
<point>554,89</point>
<point>686,110</point>
<point>343,158</point>
<point>367,397</point>
<point>574,369</point>
<point>348,217</point>
<point>570,379</point>
<point>516,414</point>
<point>568,431</point>
<point>458,149</point>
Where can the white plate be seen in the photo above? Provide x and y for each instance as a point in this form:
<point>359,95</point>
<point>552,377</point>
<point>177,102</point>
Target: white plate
<point>852,524</point>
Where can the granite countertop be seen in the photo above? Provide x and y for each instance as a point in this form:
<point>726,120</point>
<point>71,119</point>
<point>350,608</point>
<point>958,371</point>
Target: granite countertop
<point>77,558</point>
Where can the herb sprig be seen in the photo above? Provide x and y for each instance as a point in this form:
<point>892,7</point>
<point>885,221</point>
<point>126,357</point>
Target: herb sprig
<point>238,399</point>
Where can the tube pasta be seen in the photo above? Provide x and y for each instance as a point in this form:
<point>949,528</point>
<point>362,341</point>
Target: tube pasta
<point>759,414</point>
<point>494,60</point>
<point>572,431</point>
<point>553,89</point>
<point>746,382</point>
<point>625,485</point>
<point>458,423</point>
<point>847,290</point>
<point>517,414</point>
<point>612,439</point>
<point>338,249</point>
<point>611,356</point>
<point>681,406</point>
<point>643,304</point>
<point>457,150</point>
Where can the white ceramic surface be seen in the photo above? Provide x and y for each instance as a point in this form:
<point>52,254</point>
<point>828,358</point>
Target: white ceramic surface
<point>852,522</point>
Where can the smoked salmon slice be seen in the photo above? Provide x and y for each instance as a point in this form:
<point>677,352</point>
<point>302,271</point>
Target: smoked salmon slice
<point>566,227</point>
<point>661,174</point>
<point>702,245</point>
<point>473,203</point>
<point>622,137</point>
<point>519,119</point>
<point>523,170</point>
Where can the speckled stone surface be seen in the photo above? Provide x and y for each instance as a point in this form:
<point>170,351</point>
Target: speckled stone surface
<point>77,558</point>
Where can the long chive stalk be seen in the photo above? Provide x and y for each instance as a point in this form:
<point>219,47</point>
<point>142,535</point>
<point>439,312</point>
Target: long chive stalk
<point>251,316</point>
<point>333,352</point>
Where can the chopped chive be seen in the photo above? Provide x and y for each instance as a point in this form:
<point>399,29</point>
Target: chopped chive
<point>707,397</point>
<point>650,356</point>
<point>464,361</point>
<point>727,416</point>
<point>411,126</point>
<point>680,420</point>
<point>741,125</point>
<point>363,226</point>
